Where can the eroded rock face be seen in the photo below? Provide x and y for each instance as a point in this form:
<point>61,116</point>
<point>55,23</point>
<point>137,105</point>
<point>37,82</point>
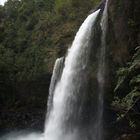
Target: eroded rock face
<point>123,34</point>
<point>122,38</point>
<point>123,29</point>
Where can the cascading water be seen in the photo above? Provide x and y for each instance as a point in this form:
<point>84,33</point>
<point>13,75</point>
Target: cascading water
<point>57,71</point>
<point>68,90</point>
<point>70,84</point>
<point>98,130</point>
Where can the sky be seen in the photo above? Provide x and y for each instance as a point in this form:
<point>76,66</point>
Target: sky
<point>2,2</point>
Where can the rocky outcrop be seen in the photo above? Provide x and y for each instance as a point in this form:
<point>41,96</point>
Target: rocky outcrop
<point>123,37</point>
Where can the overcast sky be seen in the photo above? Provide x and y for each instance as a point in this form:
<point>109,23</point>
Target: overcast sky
<point>2,2</point>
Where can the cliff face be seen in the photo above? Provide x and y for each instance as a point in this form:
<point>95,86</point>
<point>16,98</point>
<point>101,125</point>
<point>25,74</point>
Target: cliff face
<point>122,40</point>
<point>123,29</point>
<point>123,33</point>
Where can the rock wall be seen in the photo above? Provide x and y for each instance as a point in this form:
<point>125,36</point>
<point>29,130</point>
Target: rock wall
<point>122,39</point>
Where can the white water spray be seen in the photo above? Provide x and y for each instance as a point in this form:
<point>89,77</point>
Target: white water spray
<point>69,83</point>
<point>65,85</point>
<point>98,130</point>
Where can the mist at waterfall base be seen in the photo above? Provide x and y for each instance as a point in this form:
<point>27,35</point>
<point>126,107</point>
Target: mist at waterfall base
<point>65,120</point>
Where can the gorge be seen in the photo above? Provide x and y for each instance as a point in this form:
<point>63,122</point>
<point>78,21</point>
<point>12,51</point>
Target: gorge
<point>94,87</point>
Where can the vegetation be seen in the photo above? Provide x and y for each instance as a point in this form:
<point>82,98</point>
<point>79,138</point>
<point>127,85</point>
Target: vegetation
<point>33,33</point>
<point>127,91</point>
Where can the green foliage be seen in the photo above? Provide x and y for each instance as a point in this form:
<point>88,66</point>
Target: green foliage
<point>122,72</point>
<point>62,5</point>
<point>128,90</point>
<point>126,103</point>
<point>132,124</point>
<point>33,33</point>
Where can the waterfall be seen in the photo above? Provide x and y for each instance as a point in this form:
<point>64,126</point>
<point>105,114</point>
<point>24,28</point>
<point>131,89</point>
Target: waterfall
<point>98,131</point>
<point>70,85</point>
<point>57,71</point>
<point>66,118</point>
